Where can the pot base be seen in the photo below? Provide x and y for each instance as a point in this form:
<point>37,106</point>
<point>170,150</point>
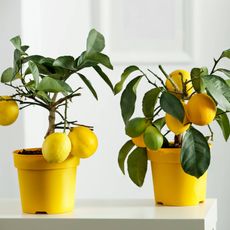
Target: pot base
<point>46,188</point>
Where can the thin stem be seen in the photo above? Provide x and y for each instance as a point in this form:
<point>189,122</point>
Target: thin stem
<point>157,112</point>
<point>167,133</point>
<point>169,78</point>
<point>155,75</point>
<point>178,140</point>
<point>211,132</point>
<point>215,64</point>
<point>65,121</point>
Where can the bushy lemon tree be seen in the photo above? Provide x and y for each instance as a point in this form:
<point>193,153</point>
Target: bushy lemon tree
<point>43,81</point>
<point>178,102</point>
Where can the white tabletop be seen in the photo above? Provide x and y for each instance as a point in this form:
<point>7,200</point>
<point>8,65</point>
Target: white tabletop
<point>125,214</point>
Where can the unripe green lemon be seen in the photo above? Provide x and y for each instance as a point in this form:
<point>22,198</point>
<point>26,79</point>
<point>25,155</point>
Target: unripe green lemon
<point>56,147</point>
<point>136,126</point>
<point>153,138</point>
<point>8,111</point>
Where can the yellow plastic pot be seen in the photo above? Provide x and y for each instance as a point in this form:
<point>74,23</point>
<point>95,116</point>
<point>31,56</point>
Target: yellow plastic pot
<point>172,186</point>
<point>46,187</point>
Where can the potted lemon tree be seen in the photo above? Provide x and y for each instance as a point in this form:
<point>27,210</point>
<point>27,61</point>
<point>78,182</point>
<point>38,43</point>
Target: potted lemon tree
<point>47,175</point>
<point>179,103</point>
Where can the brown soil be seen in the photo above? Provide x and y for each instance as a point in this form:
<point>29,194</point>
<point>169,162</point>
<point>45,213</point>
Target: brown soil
<point>30,152</point>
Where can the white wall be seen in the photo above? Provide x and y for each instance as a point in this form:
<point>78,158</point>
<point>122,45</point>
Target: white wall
<point>54,28</point>
<point>11,137</point>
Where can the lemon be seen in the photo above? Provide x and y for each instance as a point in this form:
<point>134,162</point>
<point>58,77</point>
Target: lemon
<point>179,76</point>
<point>139,141</point>
<point>8,111</point>
<point>175,125</point>
<point>136,126</point>
<point>153,138</point>
<point>56,147</point>
<point>84,142</point>
<point>201,109</point>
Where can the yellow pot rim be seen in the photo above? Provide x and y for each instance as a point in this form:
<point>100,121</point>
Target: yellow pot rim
<point>37,162</point>
<point>165,155</point>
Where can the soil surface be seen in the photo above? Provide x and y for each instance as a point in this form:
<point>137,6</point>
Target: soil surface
<point>30,152</point>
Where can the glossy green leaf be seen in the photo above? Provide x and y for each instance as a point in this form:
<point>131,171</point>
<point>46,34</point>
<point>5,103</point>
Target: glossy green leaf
<point>172,105</point>
<point>125,74</point>
<point>196,76</point>
<point>43,96</point>
<point>137,165</point>
<point>149,101</point>
<point>223,121</point>
<point>66,62</point>
<point>103,76</point>
<point>123,153</point>
<point>88,84</point>
<point>7,75</point>
<point>226,54</point>
<point>34,58</point>
<point>17,61</point>
<point>93,59</point>
<point>35,72</point>
<point>95,41</point>
<point>16,41</point>
<point>159,123</point>
<point>195,153</point>
<point>224,71</point>
<point>219,90</point>
<point>49,84</point>
<point>228,82</point>
<point>128,99</point>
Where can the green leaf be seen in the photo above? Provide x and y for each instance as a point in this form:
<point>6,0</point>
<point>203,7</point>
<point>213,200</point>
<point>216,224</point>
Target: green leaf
<point>95,41</point>
<point>137,165</point>
<point>159,123</point>
<point>123,153</point>
<point>35,72</point>
<point>128,99</point>
<point>34,58</point>
<point>7,75</point>
<point>66,62</point>
<point>226,54</point>
<point>16,41</point>
<point>172,105</point>
<point>223,121</point>
<point>224,71</point>
<point>103,76</point>
<point>88,84</point>
<point>125,74</point>
<point>92,59</point>
<point>195,153</point>
<point>42,95</point>
<point>196,76</point>
<point>228,82</point>
<point>17,61</point>
<point>149,101</point>
<point>57,76</point>
<point>218,89</point>
<point>48,84</point>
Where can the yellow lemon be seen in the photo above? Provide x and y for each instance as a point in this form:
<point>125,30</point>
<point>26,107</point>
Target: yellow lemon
<point>139,141</point>
<point>201,109</point>
<point>56,147</point>
<point>175,125</point>
<point>8,111</point>
<point>84,142</point>
<point>179,76</point>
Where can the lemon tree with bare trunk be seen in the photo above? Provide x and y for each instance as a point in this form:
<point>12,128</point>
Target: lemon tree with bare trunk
<point>44,82</point>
